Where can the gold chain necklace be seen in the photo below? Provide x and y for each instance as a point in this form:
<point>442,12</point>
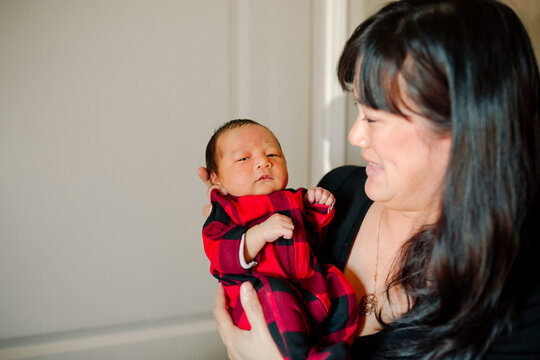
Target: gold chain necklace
<point>368,303</point>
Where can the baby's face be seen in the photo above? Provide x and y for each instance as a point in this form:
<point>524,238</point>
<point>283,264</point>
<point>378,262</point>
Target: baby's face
<point>250,162</point>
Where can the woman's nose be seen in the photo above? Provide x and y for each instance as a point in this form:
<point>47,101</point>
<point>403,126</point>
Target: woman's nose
<point>358,134</point>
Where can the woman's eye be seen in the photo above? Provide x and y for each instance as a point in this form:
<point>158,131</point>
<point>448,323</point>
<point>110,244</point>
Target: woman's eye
<point>370,120</point>
<point>272,155</point>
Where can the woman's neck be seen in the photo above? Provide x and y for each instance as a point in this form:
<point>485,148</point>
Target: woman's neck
<point>400,225</point>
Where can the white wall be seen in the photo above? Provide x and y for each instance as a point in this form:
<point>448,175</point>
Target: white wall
<point>529,12</point>
<point>358,11</point>
<point>105,109</point>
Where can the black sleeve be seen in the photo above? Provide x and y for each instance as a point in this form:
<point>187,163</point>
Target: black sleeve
<point>523,342</point>
<point>346,183</point>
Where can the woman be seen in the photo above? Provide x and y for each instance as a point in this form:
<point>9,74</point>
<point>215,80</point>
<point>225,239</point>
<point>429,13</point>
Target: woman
<point>440,238</point>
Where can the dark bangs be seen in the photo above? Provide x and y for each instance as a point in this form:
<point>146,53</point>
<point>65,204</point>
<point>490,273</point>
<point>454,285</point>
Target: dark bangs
<point>377,80</point>
<point>370,66</point>
<point>381,53</point>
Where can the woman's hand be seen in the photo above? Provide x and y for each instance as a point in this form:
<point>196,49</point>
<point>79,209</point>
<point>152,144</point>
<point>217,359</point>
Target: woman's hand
<point>256,343</point>
<point>205,178</point>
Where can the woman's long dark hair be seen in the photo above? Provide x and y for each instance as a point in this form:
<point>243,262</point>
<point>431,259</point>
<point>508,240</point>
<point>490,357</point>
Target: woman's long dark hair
<point>470,69</point>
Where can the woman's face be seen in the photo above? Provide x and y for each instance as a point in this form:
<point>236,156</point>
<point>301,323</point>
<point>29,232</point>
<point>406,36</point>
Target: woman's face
<point>406,159</point>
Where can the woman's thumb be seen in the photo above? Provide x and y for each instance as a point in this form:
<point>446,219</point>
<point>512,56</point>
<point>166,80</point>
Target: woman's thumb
<point>252,305</point>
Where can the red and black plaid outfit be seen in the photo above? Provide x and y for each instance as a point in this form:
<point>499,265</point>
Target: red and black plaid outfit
<point>310,308</point>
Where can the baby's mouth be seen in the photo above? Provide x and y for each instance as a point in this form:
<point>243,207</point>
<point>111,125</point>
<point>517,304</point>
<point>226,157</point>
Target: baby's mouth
<point>265,177</point>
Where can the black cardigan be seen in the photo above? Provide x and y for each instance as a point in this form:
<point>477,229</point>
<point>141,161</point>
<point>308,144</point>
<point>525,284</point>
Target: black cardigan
<point>352,204</point>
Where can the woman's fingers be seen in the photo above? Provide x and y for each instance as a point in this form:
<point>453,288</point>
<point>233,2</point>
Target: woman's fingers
<point>203,175</point>
<point>262,343</point>
<point>207,209</point>
<point>256,343</point>
<point>221,314</point>
<point>205,178</point>
<point>252,307</point>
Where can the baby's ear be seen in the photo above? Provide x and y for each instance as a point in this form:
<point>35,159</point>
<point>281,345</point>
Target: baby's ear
<point>214,179</point>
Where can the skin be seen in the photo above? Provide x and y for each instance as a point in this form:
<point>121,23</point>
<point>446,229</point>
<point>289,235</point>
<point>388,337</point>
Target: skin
<point>240,343</point>
<point>407,162</point>
<point>251,163</point>
<point>246,154</point>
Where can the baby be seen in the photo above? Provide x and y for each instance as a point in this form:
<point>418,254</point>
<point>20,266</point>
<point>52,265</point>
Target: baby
<point>263,233</point>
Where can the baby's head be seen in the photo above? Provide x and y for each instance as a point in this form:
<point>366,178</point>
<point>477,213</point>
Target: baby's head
<point>245,158</point>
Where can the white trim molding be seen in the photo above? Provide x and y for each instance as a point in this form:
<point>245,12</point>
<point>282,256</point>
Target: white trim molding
<point>328,102</point>
<point>112,342</point>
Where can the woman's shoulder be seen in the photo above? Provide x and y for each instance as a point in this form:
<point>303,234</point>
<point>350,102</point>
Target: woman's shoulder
<point>523,341</point>
<point>347,175</point>
<point>346,183</point>
<point>344,172</point>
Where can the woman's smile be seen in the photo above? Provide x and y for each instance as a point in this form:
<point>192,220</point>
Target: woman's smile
<point>373,169</point>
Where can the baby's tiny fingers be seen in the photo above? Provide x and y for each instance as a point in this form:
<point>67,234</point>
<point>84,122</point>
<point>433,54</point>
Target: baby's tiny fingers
<point>311,195</point>
<point>326,198</point>
<point>288,233</point>
<point>321,195</point>
<point>331,200</point>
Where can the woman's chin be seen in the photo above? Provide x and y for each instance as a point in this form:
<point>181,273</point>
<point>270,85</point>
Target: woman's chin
<point>374,190</point>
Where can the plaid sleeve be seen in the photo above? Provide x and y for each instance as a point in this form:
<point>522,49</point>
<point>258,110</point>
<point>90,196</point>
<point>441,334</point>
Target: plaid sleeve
<point>317,218</point>
<point>221,239</point>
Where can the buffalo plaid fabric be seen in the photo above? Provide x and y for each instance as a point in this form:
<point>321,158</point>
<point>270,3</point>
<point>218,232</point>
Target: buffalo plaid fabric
<point>310,308</point>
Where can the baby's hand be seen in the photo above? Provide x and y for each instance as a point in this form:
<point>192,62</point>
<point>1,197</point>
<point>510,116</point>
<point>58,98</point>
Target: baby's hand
<point>276,226</point>
<point>317,195</point>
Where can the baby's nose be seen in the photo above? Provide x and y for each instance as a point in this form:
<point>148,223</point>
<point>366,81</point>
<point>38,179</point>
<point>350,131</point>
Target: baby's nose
<point>263,162</point>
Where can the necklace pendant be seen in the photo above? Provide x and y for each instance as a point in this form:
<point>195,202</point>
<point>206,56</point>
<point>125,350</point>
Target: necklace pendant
<point>368,304</point>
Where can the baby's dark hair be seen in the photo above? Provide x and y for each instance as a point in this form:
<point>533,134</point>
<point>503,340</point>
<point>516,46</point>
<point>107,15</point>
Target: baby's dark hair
<point>211,147</point>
